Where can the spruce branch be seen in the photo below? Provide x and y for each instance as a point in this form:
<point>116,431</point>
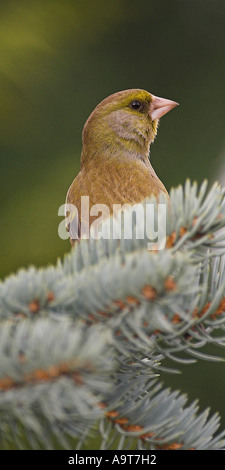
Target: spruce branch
<point>84,341</point>
<point>52,377</point>
<point>160,419</point>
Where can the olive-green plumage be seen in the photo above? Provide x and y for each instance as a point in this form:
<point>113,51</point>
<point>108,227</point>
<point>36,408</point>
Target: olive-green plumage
<point>115,166</point>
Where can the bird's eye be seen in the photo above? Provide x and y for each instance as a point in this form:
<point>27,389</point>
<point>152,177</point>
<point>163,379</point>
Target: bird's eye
<point>137,105</point>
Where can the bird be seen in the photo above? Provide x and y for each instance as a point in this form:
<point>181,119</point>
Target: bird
<point>115,157</point>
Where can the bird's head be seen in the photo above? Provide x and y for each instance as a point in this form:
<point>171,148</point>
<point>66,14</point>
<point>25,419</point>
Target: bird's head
<point>124,125</point>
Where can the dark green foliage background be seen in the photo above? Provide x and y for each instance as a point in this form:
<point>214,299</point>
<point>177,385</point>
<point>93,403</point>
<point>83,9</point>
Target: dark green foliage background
<point>58,59</point>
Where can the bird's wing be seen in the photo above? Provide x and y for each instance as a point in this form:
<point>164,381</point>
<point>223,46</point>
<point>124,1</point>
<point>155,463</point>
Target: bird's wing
<point>72,222</point>
<point>77,210</point>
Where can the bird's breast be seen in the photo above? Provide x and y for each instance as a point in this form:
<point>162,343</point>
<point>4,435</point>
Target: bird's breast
<point>109,185</point>
<point>130,183</point>
<point>116,184</point>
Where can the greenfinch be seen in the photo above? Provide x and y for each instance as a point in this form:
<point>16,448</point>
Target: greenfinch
<point>115,166</point>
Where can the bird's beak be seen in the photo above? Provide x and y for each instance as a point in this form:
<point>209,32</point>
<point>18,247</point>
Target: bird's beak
<point>160,106</point>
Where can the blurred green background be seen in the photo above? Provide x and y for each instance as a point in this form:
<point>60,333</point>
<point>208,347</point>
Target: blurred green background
<point>58,60</point>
